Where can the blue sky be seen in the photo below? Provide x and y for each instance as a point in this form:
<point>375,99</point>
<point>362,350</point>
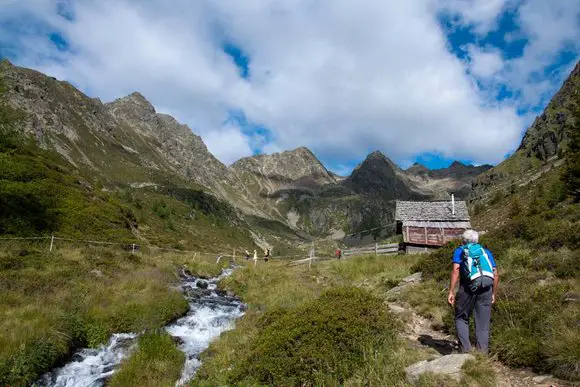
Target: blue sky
<point>423,80</point>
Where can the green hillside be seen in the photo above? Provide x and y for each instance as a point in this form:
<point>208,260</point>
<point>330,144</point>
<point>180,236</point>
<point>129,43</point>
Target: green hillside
<point>534,232</point>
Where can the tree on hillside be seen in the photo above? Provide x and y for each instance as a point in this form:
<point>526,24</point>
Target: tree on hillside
<point>572,170</point>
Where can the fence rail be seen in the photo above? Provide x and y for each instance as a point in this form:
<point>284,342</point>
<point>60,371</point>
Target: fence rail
<point>53,242</point>
<point>377,249</point>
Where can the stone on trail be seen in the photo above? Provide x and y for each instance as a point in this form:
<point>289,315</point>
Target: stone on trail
<point>449,365</point>
<point>413,278</point>
<point>405,282</point>
<point>541,378</point>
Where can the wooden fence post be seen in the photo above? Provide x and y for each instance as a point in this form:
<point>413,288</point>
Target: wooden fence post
<point>376,248</point>
<point>133,249</point>
<point>51,243</point>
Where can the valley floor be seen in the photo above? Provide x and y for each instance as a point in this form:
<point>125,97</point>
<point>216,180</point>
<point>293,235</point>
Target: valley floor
<point>350,322</point>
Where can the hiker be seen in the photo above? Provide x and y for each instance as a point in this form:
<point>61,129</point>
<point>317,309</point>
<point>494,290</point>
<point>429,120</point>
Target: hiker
<point>247,255</point>
<point>266,254</point>
<point>338,253</point>
<point>475,270</point>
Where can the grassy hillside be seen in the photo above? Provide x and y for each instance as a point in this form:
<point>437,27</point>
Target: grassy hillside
<point>537,248</point>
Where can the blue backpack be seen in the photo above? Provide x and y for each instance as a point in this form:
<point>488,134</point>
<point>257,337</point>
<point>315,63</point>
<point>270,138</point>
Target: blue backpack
<point>477,268</point>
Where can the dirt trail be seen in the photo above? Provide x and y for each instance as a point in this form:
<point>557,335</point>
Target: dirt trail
<point>420,333</point>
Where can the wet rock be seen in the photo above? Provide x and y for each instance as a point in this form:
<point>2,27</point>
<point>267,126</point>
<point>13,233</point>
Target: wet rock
<point>198,293</point>
<point>243,307</point>
<point>449,365</point>
<point>229,293</point>
<point>202,284</point>
<point>177,340</point>
<point>221,292</point>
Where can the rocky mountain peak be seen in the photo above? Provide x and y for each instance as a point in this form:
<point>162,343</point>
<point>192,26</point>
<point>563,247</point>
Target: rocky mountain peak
<point>293,168</point>
<point>379,177</point>
<point>417,169</point>
<point>134,101</point>
<point>458,164</point>
<point>548,134</point>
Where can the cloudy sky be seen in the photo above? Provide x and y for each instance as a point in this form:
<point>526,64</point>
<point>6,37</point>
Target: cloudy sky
<point>420,80</point>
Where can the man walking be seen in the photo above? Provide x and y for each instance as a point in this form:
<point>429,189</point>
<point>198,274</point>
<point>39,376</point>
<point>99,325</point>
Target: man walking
<point>475,269</point>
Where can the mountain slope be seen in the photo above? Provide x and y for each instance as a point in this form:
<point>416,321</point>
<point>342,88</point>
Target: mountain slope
<point>542,148</point>
<point>126,143</point>
<point>377,176</point>
<point>457,178</point>
<point>122,143</point>
<point>296,169</point>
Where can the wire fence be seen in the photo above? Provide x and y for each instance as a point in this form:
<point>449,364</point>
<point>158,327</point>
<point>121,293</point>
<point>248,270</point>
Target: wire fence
<point>51,243</point>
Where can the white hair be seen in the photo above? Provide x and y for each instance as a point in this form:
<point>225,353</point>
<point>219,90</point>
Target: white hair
<point>471,236</point>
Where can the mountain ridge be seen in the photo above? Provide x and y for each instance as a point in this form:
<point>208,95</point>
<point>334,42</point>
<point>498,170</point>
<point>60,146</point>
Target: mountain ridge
<point>126,142</point>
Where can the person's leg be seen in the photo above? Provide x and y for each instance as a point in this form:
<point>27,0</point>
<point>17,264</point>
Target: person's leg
<point>463,306</point>
<point>482,316</point>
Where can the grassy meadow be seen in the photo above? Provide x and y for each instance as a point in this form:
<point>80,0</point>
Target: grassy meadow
<point>55,302</point>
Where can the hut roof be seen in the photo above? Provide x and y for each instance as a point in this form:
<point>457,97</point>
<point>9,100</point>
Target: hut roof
<point>440,211</point>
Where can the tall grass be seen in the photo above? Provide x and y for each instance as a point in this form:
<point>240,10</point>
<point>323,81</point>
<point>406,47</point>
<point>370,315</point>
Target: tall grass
<point>156,363</point>
<point>53,303</point>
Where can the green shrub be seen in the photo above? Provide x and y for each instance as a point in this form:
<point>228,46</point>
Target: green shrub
<point>437,265</point>
<point>325,336</point>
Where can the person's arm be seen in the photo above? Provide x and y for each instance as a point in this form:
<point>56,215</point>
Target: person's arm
<point>453,283</point>
<point>495,283</point>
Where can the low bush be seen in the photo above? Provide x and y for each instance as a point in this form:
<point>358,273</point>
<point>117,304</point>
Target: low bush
<point>326,336</point>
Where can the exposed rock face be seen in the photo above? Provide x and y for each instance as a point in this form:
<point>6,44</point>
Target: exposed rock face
<point>544,143</point>
<point>548,133</point>
<point>179,147</point>
<point>378,176</point>
<point>296,169</point>
<point>125,141</point>
<point>457,178</point>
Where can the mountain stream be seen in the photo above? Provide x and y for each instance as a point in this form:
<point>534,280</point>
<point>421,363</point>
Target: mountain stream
<point>211,312</point>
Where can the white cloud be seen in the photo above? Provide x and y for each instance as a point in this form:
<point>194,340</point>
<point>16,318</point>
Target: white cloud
<point>335,75</point>
<point>228,144</point>
<point>484,63</point>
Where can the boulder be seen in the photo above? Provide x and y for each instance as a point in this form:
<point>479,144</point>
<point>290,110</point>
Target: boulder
<point>449,365</point>
<point>413,278</point>
<point>202,284</point>
<point>541,378</point>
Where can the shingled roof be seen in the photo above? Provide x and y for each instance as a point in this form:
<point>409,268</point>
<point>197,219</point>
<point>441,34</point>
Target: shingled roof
<point>431,211</point>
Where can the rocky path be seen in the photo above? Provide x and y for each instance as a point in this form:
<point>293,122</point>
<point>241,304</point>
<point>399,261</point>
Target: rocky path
<point>420,334</point>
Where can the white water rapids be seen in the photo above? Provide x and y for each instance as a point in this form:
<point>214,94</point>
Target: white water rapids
<point>211,312</point>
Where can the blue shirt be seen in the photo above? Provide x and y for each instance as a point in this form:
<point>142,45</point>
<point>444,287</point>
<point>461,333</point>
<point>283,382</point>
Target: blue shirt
<point>458,251</point>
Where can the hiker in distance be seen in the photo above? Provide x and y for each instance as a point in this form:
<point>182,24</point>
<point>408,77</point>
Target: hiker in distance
<point>475,270</point>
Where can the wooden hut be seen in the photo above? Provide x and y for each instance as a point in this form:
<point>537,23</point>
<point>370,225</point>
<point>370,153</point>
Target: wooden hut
<point>426,225</point>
